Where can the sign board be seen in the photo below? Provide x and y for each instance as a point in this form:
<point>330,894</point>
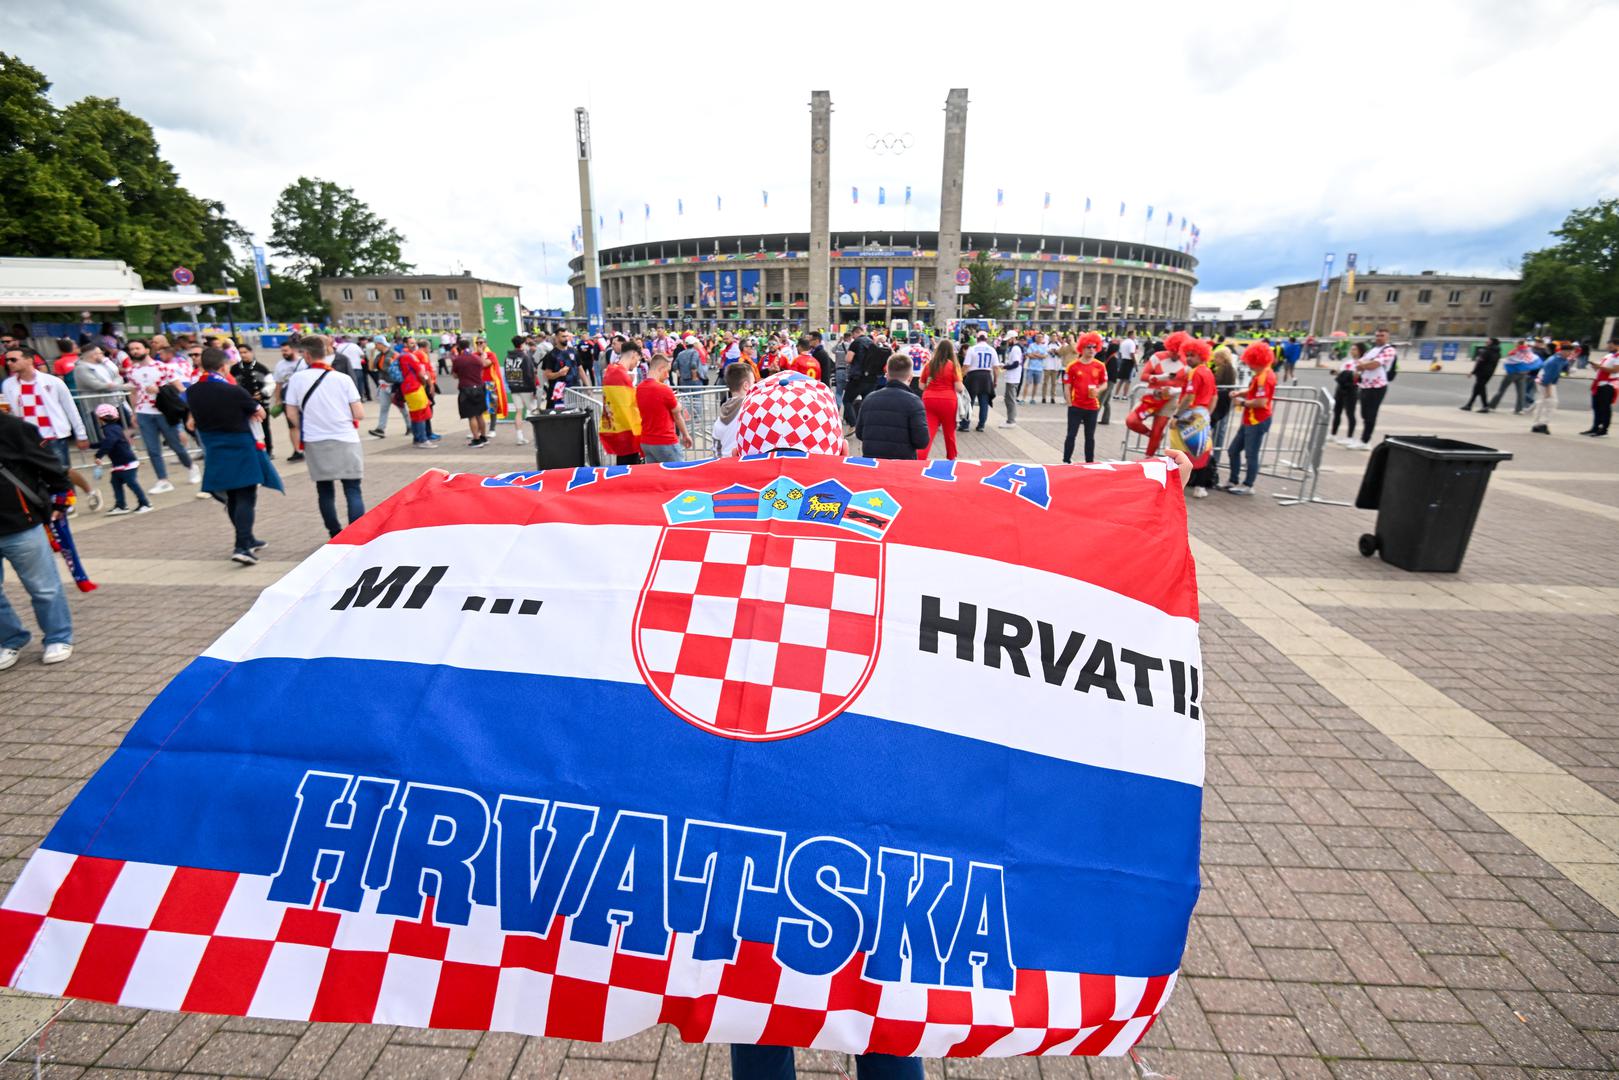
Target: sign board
<point>260,268</point>
<point>964,276</point>
<point>182,276</point>
<point>963,290</point>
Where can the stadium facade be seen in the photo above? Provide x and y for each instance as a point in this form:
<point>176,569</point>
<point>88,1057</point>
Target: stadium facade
<point>1064,282</point>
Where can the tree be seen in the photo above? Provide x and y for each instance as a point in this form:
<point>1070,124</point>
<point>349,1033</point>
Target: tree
<point>1552,295</point>
<point>1256,305</point>
<point>1572,285</point>
<point>286,298</point>
<point>88,181</point>
<point>327,232</point>
<point>989,296</point>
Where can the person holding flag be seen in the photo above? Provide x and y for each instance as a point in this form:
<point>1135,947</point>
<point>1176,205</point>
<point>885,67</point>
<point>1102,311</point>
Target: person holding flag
<point>621,416</point>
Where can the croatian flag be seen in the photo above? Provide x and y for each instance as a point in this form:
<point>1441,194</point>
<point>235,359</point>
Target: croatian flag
<point>802,762</point>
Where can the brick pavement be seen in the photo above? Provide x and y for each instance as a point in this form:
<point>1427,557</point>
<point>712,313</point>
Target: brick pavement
<point>1361,917</point>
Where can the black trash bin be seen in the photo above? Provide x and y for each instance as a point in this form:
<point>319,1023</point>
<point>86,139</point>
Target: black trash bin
<point>565,439</point>
<point>1426,491</point>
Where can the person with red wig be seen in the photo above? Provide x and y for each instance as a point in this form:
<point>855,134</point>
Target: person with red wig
<point>1192,431</point>
<point>1257,403</point>
<point>1086,380</point>
<point>1166,375</point>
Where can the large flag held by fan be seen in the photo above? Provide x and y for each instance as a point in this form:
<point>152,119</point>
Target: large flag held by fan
<point>890,756</point>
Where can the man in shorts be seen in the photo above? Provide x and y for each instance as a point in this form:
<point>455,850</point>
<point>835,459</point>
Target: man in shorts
<point>471,404</point>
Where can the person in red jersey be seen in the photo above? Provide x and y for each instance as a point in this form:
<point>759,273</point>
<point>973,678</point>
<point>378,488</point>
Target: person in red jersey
<point>1086,380</point>
<point>1256,404</point>
<point>1166,375</point>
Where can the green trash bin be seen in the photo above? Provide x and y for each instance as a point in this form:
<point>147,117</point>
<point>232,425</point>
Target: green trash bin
<point>1427,491</point>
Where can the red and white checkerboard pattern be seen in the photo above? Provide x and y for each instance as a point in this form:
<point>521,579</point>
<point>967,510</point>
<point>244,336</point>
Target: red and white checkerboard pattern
<point>31,407</point>
<point>790,411</point>
<point>759,636</point>
<point>209,941</point>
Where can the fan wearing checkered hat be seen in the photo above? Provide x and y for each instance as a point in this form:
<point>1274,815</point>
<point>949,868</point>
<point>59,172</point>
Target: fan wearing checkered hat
<point>45,401</point>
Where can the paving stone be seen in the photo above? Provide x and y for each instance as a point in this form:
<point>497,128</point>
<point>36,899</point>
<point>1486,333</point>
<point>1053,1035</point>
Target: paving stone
<point>241,1053</point>
<point>406,1061</point>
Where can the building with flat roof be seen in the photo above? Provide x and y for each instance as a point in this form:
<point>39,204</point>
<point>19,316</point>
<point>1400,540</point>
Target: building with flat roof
<point>1408,306</point>
<point>432,301</point>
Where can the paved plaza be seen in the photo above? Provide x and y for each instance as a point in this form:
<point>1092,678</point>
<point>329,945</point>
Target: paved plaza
<point>1411,819</point>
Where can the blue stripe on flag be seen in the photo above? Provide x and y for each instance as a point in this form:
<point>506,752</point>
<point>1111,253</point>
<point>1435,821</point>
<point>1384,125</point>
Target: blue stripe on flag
<point>220,795</point>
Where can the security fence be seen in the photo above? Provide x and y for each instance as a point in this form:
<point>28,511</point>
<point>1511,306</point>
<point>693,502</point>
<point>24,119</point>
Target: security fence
<point>1292,450</point>
<point>701,405</point>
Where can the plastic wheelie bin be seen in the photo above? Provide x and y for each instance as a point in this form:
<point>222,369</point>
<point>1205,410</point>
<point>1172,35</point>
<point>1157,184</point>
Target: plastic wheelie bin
<point>565,439</point>
<point>1426,491</point>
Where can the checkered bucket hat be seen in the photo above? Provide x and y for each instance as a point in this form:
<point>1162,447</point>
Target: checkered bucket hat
<point>790,412</point>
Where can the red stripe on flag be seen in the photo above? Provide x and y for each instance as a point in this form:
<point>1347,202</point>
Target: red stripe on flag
<point>228,976</point>
<point>17,932</point>
<point>104,963</point>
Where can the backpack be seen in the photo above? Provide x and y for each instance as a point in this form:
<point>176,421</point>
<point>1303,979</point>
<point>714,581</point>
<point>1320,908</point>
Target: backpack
<point>1394,367</point>
<point>171,403</point>
<point>394,372</point>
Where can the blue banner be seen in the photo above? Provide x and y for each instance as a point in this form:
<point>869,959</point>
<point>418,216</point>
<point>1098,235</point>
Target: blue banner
<point>707,294</point>
<point>902,287</point>
<point>727,288</point>
<point>751,296</point>
<point>848,286</point>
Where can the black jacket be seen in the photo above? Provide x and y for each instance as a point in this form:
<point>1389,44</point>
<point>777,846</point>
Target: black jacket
<point>37,468</point>
<point>1485,363</point>
<point>892,424</point>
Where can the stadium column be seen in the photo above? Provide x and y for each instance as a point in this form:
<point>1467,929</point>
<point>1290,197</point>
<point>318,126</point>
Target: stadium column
<point>587,220</point>
<point>955,162</point>
<point>818,315</point>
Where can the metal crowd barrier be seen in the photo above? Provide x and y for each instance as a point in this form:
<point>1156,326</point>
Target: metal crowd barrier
<point>701,403</point>
<point>1292,450</point>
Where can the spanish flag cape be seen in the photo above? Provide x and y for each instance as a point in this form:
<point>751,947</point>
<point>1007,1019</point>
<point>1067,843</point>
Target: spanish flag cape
<point>495,387</point>
<point>621,417</point>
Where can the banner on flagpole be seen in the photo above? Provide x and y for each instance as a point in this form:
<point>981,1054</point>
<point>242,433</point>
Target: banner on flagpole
<point>803,762</point>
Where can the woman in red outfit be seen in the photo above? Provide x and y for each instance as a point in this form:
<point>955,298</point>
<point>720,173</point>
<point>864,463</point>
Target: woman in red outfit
<point>939,381</point>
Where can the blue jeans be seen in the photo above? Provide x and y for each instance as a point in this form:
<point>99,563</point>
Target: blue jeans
<point>660,451</point>
<point>840,380</point>
<point>156,430</point>
<point>125,480</point>
<point>776,1063</point>
<point>418,431</point>
<point>35,564</point>
<point>326,497</point>
<point>1250,437</point>
<point>63,449</point>
<point>385,394</point>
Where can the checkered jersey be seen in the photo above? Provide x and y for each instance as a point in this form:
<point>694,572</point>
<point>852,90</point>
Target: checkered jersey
<point>790,411</point>
<point>757,635</point>
<point>31,407</point>
<point>157,937</point>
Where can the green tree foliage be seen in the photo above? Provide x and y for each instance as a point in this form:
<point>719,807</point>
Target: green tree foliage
<point>87,181</point>
<point>326,232</point>
<point>1570,287</point>
<point>1256,305</point>
<point>988,296</point>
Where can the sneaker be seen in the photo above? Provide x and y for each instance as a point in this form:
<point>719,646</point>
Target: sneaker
<point>1008,423</point>
<point>379,433</point>
<point>1360,446</point>
<point>478,444</point>
<point>144,508</point>
<point>1200,493</point>
<point>246,558</point>
<point>1465,408</point>
<point>194,476</point>
<point>8,658</point>
<point>161,487</point>
<point>258,546</point>
<point>1541,429</point>
<point>202,495</point>
<point>435,438</point>
<point>95,499</point>
<point>296,455</point>
<point>423,445</point>
<point>118,511</point>
<point>1240,490</point>
<point>521,441</point>
<point>56,653</point>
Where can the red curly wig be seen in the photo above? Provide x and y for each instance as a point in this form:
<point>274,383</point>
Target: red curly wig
<point>1196,350</point>
<point>1175,342</point>
<point>1258,355</point>
<point>1091,338</point>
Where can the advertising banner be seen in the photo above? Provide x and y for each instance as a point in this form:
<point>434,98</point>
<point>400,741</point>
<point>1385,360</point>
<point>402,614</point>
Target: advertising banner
<point>1049,282</point>
<point>1026,287</point>
<point>680,825</point>
<point>707,294</point>
<point>903,286</point>
<point>876,282</point>
<point>501,322</point>
<point>727,288</point>
<point>848,286</point>
<point>751,294</point>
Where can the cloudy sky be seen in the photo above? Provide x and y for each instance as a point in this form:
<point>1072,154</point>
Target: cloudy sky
<point>1422,134</point>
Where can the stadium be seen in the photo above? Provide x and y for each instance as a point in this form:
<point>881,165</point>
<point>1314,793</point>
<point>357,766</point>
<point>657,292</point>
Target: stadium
<point>1061,282</point>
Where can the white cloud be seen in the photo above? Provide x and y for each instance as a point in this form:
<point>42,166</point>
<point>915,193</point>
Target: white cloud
<point>1265,119</point>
